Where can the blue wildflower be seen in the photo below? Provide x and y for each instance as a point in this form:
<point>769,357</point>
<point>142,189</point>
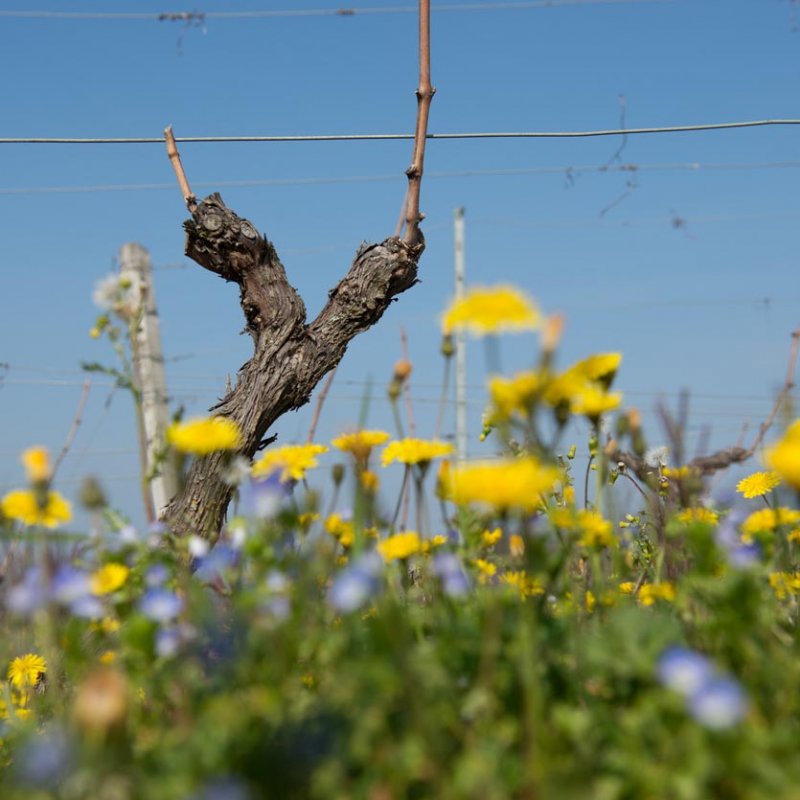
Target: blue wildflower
<point>356,584</point>
<point>684,670</point>
<point>718,703</point>
<point>262,498</point>
<point>160,605</point>
<point>450,571</point>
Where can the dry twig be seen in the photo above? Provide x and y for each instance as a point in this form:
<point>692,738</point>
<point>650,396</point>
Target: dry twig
<point>425,93</point>
<point>175,159</point>
<point>76,423</point>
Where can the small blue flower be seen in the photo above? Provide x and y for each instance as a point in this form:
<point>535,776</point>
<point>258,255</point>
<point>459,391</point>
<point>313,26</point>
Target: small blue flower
<point>160,605</point>
<point>88,607</point>
<point>718,703</point>
<point>222,557</point>
<point>168,642</point>
<point>156,575</point>
<point>69,585</point>
<point>28,595</point>
<point>262,498</point>
<point>44,760</point>
<point>684,670</point>
<point>356,584</point>
<point>450,571</point>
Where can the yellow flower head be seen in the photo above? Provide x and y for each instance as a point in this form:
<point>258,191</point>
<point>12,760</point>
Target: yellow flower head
<point>36,461</point>
<point>24,506</point>
<point>699,514</point>
<point>785,583</point>
<point>341,529</point>
<point>503,484</point>
<point>650,592</point>
<point>768,519</point>
<point>593,401</point>
<point>784,457</point>
<point>108,578</point>
<point>24,672</point>
<point>360,443</point>
<point>369,481</point>
<point>514,395</point>
<point>595,530</point>
<point>414,451</point>
<point>293,460</point>
<point>516,545</point>
<point>491,309</point>
<point>758,484</point>
<point>486,570</point>
<point>490,538</point>
<point>204,435</point>
<point>526,585</point>
<point>401,545</point>
<point>600,367</point>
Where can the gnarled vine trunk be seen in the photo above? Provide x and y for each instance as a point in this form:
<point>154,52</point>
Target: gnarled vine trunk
<point>291,355</point>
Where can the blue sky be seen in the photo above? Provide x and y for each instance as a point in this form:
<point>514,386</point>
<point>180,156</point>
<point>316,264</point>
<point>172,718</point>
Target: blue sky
<point>708,304</point>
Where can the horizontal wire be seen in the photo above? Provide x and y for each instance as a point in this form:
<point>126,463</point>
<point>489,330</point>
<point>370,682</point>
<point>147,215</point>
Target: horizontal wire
<point>200,16</point>
<point>357,137</point>
<point>387,177</point>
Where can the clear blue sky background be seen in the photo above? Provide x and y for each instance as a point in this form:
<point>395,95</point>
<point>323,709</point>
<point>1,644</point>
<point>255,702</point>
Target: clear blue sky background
<point>708,305</point>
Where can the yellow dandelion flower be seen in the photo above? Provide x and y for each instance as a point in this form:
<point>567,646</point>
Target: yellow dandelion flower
<point>794,536</point>
<point>525,584</point>
<point>516,545</point>
<point>293,460</point>
<point>705,515</point>
<point>768,519</point>
<point>108,578</point>
<point>486,570</point>
<point>650,592</point>
<point>23,506</point>
<point>401,545</point>
<point>593,401</point>
<point>36,461</point>
<point>502,484</point>
<point>784,457</point>
<point>369,481</point>
<point>360,443</point>
<point>590,600</point>
<point>758,484</point>
<point>433,543</point>
<point>204,435</point>
<point>598,367</point>
<point>488,310</point>
<point>489,538</point>
<point>24,672</point>
<point>785,584</point>
<point>414,451</point>
<point>678,473</point>
<point>595,530</point>
<point>341,529</point>
<point>627,587</point>
<point>513,395</point>
<point>107,657</point>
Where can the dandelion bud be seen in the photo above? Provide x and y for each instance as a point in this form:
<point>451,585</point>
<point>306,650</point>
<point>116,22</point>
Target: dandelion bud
<point>551,332</point>
<point>36,461</point>
<point>634,419</point>
<point>337,473</point>
<point>91,495</point>
<point>571,452</point>
<point>402,369</point>
<point>394,390</point>
<point>448,347</point>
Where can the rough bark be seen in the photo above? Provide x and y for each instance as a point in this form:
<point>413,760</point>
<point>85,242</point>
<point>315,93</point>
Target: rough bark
<point>290,355</point>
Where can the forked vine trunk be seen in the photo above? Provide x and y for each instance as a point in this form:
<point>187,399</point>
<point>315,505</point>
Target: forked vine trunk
<point>291,355</point>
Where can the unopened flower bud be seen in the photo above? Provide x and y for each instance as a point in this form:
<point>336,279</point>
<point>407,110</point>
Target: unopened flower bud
<point>448,347</point>
<point>402,369</point>
<point>91,495</point>
<point>337,473</point>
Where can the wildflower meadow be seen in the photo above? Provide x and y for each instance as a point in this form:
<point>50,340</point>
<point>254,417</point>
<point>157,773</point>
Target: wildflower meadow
<point>523,625</point>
